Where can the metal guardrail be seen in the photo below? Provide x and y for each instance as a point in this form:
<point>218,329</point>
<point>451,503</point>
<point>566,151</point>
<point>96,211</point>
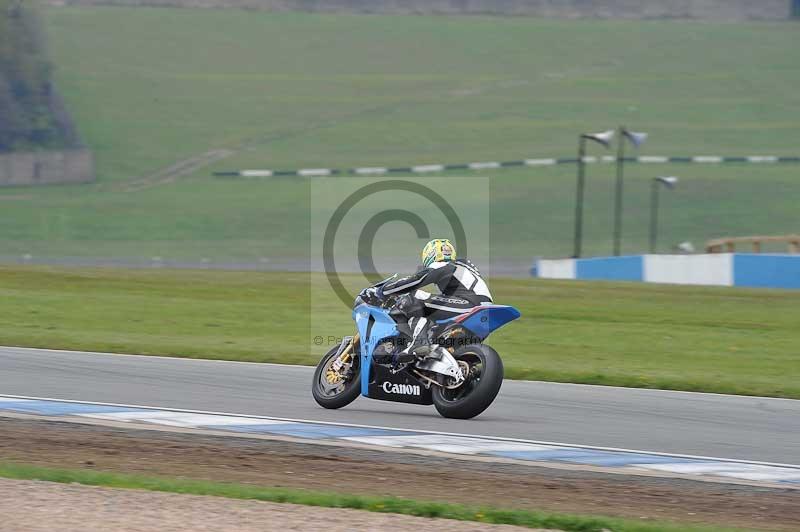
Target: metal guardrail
<point>728,245</point>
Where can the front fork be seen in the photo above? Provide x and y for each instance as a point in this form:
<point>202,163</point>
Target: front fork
<point>342,358</point>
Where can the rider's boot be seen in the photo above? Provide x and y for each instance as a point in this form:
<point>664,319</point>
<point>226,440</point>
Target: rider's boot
<point>419,345</point>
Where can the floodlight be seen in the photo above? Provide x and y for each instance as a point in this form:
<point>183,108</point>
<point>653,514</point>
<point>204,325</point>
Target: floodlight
<point>604,137</point>
<point>668,181</point>
<point>636,138</point>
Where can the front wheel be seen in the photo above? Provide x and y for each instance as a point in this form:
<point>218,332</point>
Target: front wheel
<point>483,369</point>
<point>333,389</point>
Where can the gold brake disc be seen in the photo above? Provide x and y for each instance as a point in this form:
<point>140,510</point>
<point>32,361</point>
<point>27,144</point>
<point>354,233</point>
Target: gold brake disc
<point>333,377</point>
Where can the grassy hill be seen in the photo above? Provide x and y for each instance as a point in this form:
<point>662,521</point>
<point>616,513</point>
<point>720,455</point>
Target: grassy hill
<point>151,87</point>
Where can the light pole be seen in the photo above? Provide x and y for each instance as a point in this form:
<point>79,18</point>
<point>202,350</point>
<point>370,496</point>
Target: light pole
<point>637,139</point>
<point>603,138</point>
<point>669,182</point>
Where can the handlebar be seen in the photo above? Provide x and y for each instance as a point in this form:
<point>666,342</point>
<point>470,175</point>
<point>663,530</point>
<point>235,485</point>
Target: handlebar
<point>370,298</point>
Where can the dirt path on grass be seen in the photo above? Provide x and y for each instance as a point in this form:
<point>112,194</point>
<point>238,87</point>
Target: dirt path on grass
<point>172,173</point>
<point>368,472</point>
<point>34,506</point>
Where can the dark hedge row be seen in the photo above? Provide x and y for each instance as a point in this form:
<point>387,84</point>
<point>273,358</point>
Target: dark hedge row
<point>31,114</point>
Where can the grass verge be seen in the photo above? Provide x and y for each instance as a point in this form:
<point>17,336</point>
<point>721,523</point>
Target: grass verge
<point>722,340</point>
<point>394,505</point>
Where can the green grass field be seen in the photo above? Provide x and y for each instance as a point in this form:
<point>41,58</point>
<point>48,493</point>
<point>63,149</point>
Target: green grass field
<point>150,87</point>
<point>706,339</point>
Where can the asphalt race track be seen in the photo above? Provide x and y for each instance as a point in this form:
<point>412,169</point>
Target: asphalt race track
<point>747,428</point>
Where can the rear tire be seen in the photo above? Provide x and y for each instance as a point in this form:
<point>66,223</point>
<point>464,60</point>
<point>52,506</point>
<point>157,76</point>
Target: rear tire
<point>480,388</point>
<point>328,397</point>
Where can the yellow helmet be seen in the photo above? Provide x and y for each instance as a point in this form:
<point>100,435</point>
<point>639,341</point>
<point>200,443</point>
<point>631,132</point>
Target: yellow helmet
<point>438,250</point>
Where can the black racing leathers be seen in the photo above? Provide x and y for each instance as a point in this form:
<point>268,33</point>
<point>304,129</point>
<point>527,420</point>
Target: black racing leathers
<point>459,282</point>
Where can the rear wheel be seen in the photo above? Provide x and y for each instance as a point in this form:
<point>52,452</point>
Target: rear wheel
<point>335,389</point>
<point>483,370</point>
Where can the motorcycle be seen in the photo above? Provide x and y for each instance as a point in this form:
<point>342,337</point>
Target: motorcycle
<point>459,375</point>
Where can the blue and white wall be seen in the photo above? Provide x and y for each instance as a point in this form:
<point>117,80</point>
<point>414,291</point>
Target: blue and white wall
<point>719,269</point>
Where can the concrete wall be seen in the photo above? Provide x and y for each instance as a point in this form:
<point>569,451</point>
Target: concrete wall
<point>718,269</point>
<point>635,9</point>
<point>46,167</point>
<point>712,269</point>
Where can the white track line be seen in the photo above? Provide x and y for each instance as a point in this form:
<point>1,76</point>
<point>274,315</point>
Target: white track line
<point>472,436</point>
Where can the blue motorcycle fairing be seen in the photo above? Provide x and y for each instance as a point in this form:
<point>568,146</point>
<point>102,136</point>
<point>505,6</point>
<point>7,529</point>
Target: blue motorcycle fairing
<point>485,319</point>
<point>374,324</point>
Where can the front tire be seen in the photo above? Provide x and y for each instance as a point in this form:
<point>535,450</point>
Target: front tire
<point>480,387</point>
<point>336,395</point>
